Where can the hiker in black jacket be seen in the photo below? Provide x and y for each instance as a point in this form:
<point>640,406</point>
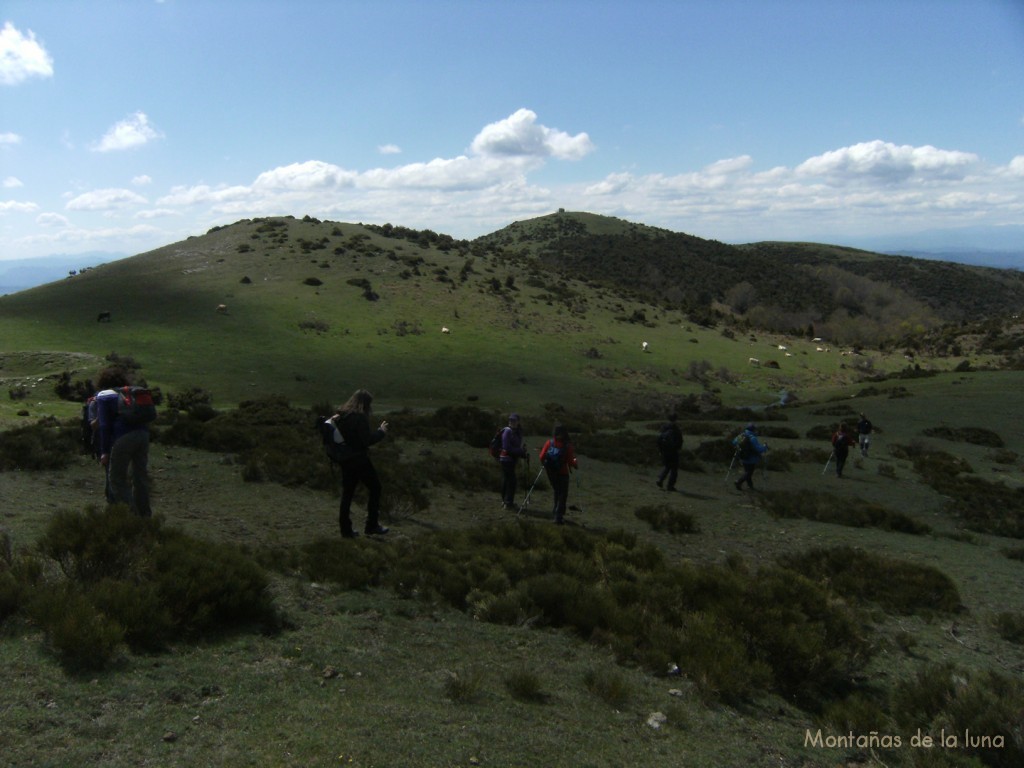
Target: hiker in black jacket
<point>353,422</point>
<point>670,443</point>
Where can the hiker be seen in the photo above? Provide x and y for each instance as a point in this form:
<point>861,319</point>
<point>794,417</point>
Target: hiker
<point>121,445</point>
<point>864,435</point>
<point>353,424</point>
<point>749,450</point>
<point>558,457</point>
<point>841,442</point>
<point>670,442</point>
<point>512,449</point>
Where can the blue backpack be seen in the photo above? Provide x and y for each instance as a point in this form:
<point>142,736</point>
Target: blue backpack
<point>553,457</point>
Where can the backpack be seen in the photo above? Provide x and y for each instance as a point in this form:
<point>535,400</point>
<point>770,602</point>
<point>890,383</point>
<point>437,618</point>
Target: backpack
<point>744,445</point>
<point>495,446</point>
<point>666,440</point>
<point>335,447</point>
<point>88,433</point>
<point>135,406</point>
<point>553,457</point>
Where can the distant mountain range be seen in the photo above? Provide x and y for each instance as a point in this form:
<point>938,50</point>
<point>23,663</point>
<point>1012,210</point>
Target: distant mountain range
<point>21,274</point>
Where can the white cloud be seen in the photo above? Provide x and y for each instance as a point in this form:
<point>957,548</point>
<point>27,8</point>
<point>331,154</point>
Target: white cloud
<point>157,213</point>
<point>52,220</point>
<point>22,56</point>
<point>309,175</point>
<point>105,200</point>
<point>1016,166</point>
<point>519,136</point>
<point>135,131</point>
<point>9,138</point>
<point>888,163</point>
<point>142,181</point>
<point>17,207</point>
<point>389,149</point>
<point>12,182</point>
<point>204,194</point>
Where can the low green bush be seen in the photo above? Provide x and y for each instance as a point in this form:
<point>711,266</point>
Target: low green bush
<point>609,685</point>
<point>828,508</point>
<point>46,445</point>
<point>972,435</point>
<point>1010,626</point>
<point>981,710</point>
<point>525,685</point>
<point>868,579</point>
<point>130,579</point>
<point>667,519</point>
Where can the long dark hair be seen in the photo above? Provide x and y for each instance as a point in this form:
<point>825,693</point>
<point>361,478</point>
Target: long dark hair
<point>359,403</point>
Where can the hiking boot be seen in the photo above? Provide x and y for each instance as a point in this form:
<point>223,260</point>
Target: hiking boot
<point>349,535</point>
<point>377,530</point>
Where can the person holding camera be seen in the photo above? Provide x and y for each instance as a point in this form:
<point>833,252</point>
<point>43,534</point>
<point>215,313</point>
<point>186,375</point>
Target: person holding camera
<point>353,424</point>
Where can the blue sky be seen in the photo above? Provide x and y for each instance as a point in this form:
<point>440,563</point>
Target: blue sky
<point>130,125</point>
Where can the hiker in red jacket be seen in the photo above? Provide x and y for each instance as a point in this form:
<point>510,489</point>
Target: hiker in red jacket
<point>558,457</point>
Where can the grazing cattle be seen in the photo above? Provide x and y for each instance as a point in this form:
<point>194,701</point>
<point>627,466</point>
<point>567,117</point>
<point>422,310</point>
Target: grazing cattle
<point>783,347</point>
<point>644,346</point>
<point>819,349</point>
<point>754,361</point>
<point>222,309</point>
<point>445,329</point>
<point>103,317</point>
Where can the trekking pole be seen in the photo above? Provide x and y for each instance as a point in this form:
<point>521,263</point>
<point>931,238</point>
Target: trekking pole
<point>830,457</point>
<point>526,501</point>
<point>731,465</point>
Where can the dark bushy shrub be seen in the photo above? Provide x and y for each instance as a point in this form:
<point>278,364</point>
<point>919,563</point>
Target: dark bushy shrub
<point>973,435</point>
<point>828,508</point>
<point>129,578</point>
<point>667,519</point>
<point>896,586</point>
<point>46,445</point>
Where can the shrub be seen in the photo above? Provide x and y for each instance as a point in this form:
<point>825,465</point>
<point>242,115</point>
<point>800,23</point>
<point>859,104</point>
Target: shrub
<point>463,687</point>
<point>667,519</point>
<point>973,435</point>
<point>81,636</point>
<point>153,583</point>
<point>985,704</point>
<point>525,685</point>
<point>43,446</point>
<point>828,508</point>
<point>1011,626</point>
<point>897,586</point>
<point>609,685</point>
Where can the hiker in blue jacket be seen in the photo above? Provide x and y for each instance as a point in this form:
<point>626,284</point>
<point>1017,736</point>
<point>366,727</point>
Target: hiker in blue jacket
<point>122,446</point>
<point>750,450</point>
<point>512,449</point>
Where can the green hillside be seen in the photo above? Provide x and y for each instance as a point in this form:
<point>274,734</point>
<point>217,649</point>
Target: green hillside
<point>847,295</point>
<point>800,624</point>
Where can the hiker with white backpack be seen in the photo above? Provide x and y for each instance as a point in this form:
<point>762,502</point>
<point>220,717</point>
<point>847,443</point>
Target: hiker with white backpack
<point>123,414</point>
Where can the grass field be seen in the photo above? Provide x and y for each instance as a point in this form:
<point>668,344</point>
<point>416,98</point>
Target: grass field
<point>371,677</point>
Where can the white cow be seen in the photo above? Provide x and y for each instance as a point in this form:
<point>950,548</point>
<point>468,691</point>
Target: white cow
<point>445,329</point>
<point>644,346</point>
<point>754,361</point>
<point>222,309</point>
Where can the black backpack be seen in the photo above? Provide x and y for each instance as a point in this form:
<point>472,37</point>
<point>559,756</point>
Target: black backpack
<point>495,445</point>
<point>667,440</point>
<point>337,450</point>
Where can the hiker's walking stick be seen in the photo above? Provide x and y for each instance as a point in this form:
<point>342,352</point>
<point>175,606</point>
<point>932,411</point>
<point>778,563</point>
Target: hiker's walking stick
<point>731,465</point>
<point>830,457</point>
<point>526,501</point>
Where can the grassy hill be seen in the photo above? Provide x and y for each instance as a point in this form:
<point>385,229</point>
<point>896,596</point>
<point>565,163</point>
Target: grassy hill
<point>709,627</point>
<point>844,294</point>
